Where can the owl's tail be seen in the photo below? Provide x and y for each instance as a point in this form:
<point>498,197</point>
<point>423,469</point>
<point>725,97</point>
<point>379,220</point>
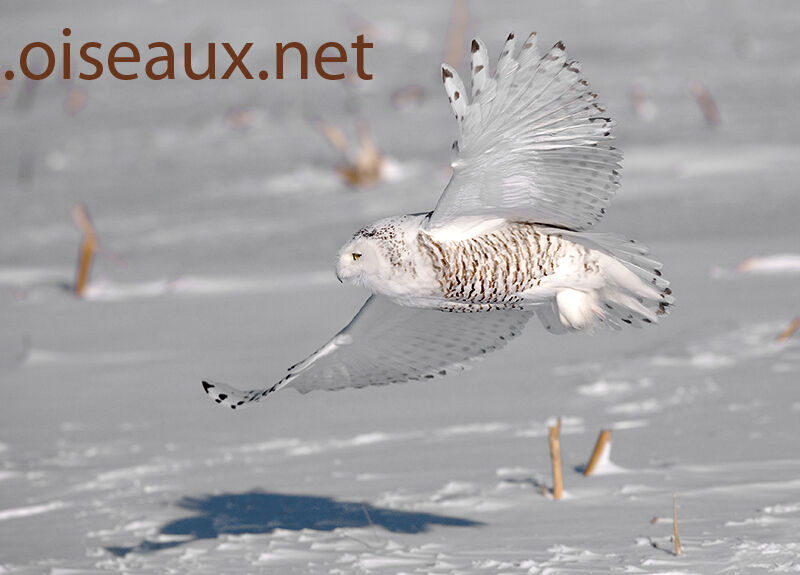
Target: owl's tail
<point>632,290</point>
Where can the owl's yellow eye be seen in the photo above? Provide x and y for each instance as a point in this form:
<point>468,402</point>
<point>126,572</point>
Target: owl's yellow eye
<point>356,256</point>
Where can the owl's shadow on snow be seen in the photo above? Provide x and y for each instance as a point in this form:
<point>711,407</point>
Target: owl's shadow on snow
<point>257,512</point>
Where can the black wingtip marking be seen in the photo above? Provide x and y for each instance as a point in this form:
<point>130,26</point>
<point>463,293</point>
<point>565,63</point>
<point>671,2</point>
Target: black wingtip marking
<point>475,46</point>
<point>510,37</point>
<point>446,74</point>
<point>207,386</point>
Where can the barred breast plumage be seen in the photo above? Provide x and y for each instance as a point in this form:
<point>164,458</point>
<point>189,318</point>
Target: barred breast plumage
<point>497,267</point>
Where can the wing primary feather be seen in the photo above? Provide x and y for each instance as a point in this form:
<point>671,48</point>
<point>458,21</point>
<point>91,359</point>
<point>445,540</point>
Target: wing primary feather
<point>479,64</point>
<point>530,50</point>
<point>456,93</point>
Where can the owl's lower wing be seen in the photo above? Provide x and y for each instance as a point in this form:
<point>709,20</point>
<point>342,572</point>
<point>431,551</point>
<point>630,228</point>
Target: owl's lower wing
<point>388,343</point>
<point>533,144</point>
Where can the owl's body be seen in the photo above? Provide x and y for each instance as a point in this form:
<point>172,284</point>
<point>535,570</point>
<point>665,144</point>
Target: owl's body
<point>510,237</point>
<point>506,265</point>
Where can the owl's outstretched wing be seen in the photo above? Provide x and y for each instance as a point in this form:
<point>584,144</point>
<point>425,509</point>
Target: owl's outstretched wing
<point>388,343</point>
<point>533,144</point>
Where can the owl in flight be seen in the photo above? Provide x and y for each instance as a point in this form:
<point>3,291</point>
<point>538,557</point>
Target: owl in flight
<point>510,238</point>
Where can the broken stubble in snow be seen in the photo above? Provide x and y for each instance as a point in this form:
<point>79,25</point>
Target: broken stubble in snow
<point>790,330</point>
<point>456,32</point>
<point>88,247</point>
<point>364,163</point>
<point>555,455</point>
<point>678,549</point>
<point>706,103</point>
<point>603,443</point>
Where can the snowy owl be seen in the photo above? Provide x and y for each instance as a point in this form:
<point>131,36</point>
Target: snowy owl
<point>533,171</point>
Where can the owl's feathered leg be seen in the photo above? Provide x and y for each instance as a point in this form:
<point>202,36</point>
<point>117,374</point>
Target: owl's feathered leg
<point>578,309</point>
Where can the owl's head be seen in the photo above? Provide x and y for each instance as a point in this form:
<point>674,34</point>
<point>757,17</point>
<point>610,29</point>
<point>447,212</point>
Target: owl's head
<point>374,256</point>
<point>360,260</point>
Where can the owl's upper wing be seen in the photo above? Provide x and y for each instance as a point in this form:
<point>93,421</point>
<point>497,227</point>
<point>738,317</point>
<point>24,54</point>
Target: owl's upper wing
<point>533,144</point>
<point>388,343</point>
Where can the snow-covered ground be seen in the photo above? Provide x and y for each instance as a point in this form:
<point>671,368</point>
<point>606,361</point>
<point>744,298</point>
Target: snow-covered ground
<point>219,238</point>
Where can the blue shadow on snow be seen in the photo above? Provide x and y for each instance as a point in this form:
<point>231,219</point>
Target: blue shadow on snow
<point>261,512</point>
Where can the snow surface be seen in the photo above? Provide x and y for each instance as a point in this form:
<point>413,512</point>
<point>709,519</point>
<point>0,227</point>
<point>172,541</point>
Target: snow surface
<point>219,243</point>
